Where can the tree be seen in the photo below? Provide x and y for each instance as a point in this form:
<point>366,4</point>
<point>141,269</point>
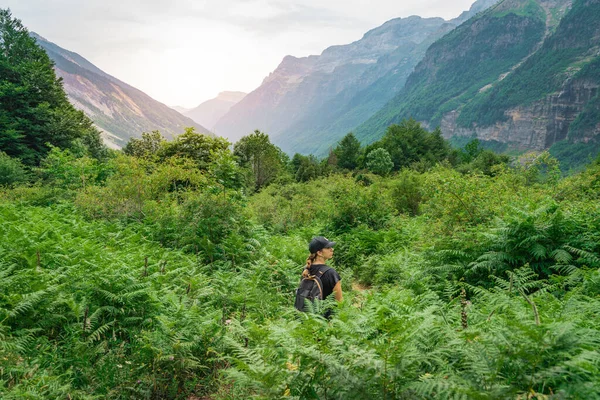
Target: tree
<point>486,160</point>
<point>471,151</point>
<point>379,162</point>
<point>11,170</point>
<point>147,146</point>
<point>264,159</point>
<point>34,109</point>
<point>196,146</point>
<point>306,168</point>
<point>409,142</point>
<point>347,152</point>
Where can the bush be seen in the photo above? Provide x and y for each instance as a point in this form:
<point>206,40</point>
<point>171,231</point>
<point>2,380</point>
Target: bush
<point>64,170</point>
<point>379,162</point>
<point>136,181</point>
<point>407,193</point>
<point>12,171</point>
<point>356,205</point>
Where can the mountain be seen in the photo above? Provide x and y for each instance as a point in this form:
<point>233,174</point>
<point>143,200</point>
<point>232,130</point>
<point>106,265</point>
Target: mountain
<point>524,73</point>
<point>209,112</point>
<point>309,103</point>
<point>180,110</point>
<point>118,109</point>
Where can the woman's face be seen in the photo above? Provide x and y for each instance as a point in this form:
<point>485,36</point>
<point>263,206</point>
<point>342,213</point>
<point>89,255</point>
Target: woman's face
<point>327,253</point>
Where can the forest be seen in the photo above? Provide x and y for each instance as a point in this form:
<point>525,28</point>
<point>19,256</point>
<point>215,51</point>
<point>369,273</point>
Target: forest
<point>167,270</point>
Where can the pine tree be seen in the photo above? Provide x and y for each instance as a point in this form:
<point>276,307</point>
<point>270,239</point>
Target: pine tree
<point>34,110</point>
<point>347,152</point>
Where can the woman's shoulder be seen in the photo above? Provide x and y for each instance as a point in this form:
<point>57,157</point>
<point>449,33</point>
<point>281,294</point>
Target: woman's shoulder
<point>327,269</point>
<point>319,267</point>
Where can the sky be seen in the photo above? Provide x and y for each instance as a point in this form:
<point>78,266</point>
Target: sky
<point>183,52</point>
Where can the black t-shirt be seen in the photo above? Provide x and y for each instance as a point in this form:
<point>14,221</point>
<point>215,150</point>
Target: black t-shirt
<point>329,278</point>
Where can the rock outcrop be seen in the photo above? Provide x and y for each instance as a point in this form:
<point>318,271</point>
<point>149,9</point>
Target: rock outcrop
<point>538,126</point>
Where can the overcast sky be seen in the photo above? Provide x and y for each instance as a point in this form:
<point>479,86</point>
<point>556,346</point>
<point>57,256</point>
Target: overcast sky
<point>183,52</point>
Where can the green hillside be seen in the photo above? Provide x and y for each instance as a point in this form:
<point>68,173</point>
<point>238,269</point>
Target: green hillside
<point>460,64</point>
<point>569,54</point>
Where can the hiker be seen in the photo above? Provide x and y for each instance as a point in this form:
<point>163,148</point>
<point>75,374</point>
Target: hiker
<point>318,279</point>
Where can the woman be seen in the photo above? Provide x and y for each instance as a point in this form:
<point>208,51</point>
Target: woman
<point>321,250</point>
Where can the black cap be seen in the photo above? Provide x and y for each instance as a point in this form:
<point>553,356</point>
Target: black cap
<point>319,243</point>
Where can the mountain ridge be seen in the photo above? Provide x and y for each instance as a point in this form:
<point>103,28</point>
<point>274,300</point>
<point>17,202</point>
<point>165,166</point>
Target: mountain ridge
<point>118,109</point>
<point>321,94</point>
<point>546,95</point>
<point>210,111</point>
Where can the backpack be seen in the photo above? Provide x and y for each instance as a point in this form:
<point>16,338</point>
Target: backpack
<point>310,288</point>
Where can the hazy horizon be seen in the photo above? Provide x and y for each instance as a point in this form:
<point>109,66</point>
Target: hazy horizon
<point>202,48</point>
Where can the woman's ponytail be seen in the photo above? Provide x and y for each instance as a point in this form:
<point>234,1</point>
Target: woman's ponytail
<point>309,261</point>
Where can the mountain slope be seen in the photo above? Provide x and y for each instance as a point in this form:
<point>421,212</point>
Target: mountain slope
<point>210,111</point>
<point>180,110</point>
<point>524,73</point>
<point>118,109</point>
<point>354,105</point>
<point>308,103</point>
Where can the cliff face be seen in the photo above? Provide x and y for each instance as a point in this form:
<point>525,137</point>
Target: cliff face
<point>298,86</point>
<point>557,88</point>
<point>119,110</point>
<point>538,126</point>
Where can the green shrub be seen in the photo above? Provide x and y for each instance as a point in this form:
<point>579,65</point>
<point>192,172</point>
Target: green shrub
<point>64,170</point>
<point>356,205</point>
<point>379,162</point>
<point>407,192</point>
<point>12,171</point>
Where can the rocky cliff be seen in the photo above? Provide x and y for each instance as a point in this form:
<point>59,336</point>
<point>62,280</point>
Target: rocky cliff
<point>119,110</point>
<point>537,126</point>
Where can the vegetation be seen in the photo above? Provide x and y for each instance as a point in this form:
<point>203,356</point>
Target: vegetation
<point>167,271</point>
<point>348,152</point>
<point>139,278</point>
<point>34,110</point>
<point>264,160</point>
<point>379,162</point>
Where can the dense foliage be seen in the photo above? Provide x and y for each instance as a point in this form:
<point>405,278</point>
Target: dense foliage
<point>140,277</point>
<point>34,110</point>
<point>167,271</point>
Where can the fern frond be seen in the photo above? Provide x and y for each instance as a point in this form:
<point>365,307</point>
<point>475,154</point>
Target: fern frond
<point>99,332</point>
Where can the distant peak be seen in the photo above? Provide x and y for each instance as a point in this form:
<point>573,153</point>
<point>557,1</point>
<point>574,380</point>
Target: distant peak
<point>231,92</point>
<point>38,37</point>
<point>231,96</point>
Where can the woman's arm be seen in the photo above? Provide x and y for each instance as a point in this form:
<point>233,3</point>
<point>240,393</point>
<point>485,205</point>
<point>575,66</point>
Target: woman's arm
<point>337,291</point>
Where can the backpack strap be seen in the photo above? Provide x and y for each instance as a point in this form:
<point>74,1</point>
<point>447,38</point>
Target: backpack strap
<point>322,271</point>
<point>320,285</point>
<point>317,278</point>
